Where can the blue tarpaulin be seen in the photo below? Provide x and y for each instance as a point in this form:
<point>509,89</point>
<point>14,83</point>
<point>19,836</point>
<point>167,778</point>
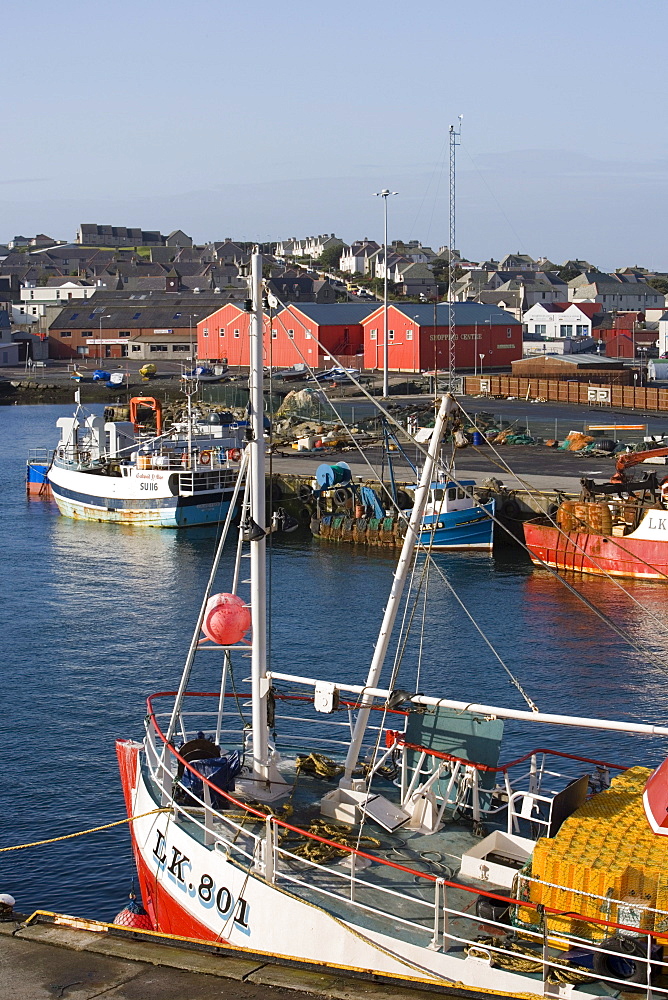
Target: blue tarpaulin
<point>369,499</point>
<point>220,771</point>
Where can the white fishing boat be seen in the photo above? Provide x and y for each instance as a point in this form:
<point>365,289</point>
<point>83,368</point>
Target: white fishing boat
<point>115,471</point>
<point>364,828</point>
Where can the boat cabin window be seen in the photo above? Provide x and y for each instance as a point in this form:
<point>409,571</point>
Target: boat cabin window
<point>461,494</point>
<point>452,493</point>
<point>438,494</point>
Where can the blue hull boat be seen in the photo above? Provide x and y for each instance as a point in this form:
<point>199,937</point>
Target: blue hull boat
<point>454,520</point>
<point>462,529</point>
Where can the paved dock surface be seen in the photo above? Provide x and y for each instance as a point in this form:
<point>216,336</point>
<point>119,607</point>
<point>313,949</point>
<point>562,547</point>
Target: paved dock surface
<point>47,962</point>
<point>536,468</point>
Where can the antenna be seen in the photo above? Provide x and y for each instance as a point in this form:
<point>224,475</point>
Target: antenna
<point>455,140</point>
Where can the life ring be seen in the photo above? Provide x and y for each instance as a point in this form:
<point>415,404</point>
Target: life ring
<point>664,491</point>
<point>233,454</point>
<point>205,458</point>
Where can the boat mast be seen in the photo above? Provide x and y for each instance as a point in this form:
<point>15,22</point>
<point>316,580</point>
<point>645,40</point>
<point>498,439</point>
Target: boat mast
<point>190,429</point>
<point>400,575</point>
<point>267,783</point>
<point>258,548</point>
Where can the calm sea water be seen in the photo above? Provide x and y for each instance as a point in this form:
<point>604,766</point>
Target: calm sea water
<point>94,617</point>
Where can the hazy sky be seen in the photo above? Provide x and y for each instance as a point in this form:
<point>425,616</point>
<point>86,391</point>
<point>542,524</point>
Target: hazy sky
<point>262,119</point>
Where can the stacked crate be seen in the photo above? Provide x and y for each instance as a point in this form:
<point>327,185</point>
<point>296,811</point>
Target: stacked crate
<point>605,851</point>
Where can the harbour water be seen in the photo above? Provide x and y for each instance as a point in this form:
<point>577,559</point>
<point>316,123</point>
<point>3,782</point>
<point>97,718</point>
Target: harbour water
<point>94,617</point>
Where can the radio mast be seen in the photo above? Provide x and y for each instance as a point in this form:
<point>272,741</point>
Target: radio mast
<point>455,140</point>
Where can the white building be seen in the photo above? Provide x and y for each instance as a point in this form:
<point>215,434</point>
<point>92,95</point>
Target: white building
<point>615,292</point>
<point>355,259</point>
<point>35,298</point>
<point>557,320</point>
<point>311,246</point>
<point>663,335</point>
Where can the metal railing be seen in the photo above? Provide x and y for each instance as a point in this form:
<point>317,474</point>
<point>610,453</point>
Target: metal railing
<point>621,952</point>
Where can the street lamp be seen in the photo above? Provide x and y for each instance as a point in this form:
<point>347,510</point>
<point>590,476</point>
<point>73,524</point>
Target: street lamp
<point>384,194</point>
<point>481,356</point>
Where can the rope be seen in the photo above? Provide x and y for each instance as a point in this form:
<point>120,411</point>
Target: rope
<point>318,766</point>
<point>81,833</point>
<point>319,853</point>
<point>301,844</point>
<point>520,962</point>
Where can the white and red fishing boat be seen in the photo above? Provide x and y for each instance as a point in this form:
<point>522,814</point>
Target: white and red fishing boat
<point>363,828</point>
<point>618,528</point>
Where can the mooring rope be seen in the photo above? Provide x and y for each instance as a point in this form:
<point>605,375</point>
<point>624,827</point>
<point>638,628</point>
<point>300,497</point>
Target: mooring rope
<point>82,833</point>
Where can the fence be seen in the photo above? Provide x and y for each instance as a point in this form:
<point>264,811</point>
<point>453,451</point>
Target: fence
<point>559,391</point>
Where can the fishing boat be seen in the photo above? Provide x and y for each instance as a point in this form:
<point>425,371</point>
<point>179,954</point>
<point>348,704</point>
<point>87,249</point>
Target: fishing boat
<point>203,373</point>
<point>117,471</point>
<point>618,528</point>
<point>365,514</point>
<point>366,829</point>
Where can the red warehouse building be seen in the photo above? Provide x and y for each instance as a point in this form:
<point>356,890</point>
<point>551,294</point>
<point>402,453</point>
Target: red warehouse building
<point>311,332</point>
<point>418,337</point>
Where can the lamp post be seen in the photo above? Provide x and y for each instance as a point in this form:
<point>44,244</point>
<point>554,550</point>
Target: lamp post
<point>384,194</point>
<point>481,356</point>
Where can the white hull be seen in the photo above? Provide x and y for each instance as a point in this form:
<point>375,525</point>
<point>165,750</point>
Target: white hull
<point>150,497</point>
<point>265,918</point>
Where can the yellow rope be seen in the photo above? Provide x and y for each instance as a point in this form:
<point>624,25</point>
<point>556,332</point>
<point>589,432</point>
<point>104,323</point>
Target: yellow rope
<point>523,963</point>
<point>81,833</point>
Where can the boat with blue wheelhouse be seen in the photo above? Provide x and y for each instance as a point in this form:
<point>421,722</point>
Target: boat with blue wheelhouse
<point>454,519</point>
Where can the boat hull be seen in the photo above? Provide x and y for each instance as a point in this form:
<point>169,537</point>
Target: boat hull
<point>602,555</point>
<point>454,531</point>
<point>89,497</point>
<point>194,891</point>
<point>37,483</point>
<point>460,530</point>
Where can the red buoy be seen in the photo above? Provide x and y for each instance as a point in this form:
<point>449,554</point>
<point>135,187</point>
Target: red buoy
<point>134,915</point>
<point>226,619</point>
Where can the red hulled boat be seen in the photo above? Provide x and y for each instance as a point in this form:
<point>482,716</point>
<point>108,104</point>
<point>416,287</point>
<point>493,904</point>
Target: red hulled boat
<point>618,528</point>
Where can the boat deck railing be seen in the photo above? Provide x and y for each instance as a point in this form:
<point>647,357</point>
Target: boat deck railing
<point>435,912</point>
<point>40,455</point>
<point>517,794</point>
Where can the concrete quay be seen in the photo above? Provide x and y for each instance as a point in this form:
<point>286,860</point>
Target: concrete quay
<point>539,469</point>
<point>59,956</point>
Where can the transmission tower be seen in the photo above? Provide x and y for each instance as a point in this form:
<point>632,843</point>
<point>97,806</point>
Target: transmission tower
<point>455,140</point>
